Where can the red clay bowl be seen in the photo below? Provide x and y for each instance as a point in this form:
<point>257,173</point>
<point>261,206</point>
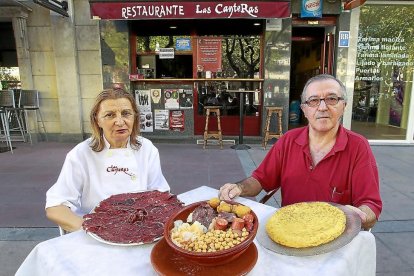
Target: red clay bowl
<point>207,258</point>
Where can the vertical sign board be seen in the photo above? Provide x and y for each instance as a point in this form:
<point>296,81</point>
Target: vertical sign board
<point>343,39</point>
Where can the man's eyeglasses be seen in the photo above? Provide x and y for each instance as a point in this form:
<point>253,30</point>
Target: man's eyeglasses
<point>331,100</point>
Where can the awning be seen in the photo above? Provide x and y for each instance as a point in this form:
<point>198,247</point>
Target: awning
<point>58,6</point>
<point>125,10</point>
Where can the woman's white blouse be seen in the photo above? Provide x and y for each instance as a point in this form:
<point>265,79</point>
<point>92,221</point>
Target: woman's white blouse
<point>88,177</point>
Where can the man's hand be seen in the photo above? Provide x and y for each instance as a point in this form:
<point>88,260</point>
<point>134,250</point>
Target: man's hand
<point>367,216</point>
<point>229,191</point>
<point>361,214</point>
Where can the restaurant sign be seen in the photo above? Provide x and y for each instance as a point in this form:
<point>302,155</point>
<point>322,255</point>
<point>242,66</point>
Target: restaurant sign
<point>188,10</point>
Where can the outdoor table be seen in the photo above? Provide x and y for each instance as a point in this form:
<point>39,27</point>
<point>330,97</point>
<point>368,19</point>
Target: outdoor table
<point>79,254</point>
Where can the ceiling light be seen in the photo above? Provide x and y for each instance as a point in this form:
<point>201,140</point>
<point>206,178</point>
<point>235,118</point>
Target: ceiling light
<point>173,27</point>
<point>257,24</point>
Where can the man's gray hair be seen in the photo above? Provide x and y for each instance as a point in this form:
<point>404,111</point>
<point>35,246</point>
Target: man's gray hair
<point>323,77</point>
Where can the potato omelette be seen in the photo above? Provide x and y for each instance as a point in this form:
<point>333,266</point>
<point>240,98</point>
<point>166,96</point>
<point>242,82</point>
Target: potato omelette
<point>306,224</point>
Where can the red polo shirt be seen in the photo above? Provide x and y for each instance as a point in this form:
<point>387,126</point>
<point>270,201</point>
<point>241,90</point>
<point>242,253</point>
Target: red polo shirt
<point>348,174</point>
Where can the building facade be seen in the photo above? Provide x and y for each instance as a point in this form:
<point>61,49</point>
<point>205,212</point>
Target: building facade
<point>175,72</point>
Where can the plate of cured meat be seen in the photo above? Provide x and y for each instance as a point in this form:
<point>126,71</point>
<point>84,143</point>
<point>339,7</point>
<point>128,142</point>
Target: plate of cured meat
<point>131,218</point>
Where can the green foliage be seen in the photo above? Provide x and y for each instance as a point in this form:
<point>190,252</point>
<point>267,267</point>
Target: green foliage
<point>240,55</point>
<point>387,22</point>
<point>6,74</point>
<point>8,80</point>
<point>147,44</point>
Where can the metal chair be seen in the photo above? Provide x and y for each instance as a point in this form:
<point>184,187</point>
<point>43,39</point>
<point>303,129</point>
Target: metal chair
<point>62,231</point>
<point>4,129</point>
<point>13,112</point>
<point>29,101</point>
<point>266,197</point>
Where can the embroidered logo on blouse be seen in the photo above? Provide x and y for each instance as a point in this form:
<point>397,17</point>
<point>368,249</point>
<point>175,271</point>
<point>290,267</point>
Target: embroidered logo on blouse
<point>115,170</point>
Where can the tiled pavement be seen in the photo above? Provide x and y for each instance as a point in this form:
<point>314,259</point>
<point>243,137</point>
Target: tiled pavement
<point>28,173</point>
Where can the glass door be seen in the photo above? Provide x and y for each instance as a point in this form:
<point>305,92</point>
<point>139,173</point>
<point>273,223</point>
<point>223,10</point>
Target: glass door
<point>382,105</point>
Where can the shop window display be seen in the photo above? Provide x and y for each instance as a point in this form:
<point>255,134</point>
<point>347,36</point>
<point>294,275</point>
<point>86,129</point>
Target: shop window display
<point>384,72</point>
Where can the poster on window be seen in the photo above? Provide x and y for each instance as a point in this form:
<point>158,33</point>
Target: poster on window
<point>146,122</point>
<point>209,54</point>
<point>143,100</point>
<point>177,120</point>
<point>156,95</point>
<point>161,119</point>
<point>171,99</point>
<point>186,98</point>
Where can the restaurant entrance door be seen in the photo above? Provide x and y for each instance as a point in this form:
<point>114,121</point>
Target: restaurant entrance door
<point>312,54</point>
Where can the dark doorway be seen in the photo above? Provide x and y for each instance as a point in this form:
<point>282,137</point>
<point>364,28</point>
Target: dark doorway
<point>8,54</point>
<point>311,54</point>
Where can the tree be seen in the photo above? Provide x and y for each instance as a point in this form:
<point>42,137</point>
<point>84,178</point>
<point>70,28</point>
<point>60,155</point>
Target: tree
<point>7,77</point>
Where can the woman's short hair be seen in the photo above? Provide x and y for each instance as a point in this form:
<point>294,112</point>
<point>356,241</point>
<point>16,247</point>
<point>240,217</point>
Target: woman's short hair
<point>97,143</point>
<point>323,77</point>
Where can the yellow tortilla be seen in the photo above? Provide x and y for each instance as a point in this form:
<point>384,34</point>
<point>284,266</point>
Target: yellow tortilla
<point>306,224</point>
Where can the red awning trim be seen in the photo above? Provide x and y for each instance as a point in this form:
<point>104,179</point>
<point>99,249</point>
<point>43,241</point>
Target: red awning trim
<point>189,10</point>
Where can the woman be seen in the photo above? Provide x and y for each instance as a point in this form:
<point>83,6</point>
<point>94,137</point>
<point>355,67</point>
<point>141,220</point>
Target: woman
<point>114,160</point>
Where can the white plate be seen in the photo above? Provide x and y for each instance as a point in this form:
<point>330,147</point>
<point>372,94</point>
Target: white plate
<point>352,228</point>
<point>99,239</point>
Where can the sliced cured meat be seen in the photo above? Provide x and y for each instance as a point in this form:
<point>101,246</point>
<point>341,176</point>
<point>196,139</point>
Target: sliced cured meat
<point>132,217</point>
<point>227,216</point>
<point>204,214</point>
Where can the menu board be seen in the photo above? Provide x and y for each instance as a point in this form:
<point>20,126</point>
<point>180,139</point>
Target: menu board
<point>209,54</point>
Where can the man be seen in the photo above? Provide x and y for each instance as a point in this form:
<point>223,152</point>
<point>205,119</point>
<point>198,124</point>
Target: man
<point>320,162</point>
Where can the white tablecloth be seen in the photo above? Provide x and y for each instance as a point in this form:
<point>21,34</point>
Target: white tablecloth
<point>79,254</point>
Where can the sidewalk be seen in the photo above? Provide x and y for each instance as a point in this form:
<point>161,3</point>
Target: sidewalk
<point>26,175</point>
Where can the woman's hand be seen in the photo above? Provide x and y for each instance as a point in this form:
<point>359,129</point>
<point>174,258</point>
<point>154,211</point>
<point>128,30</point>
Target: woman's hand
<point>64,217</point>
